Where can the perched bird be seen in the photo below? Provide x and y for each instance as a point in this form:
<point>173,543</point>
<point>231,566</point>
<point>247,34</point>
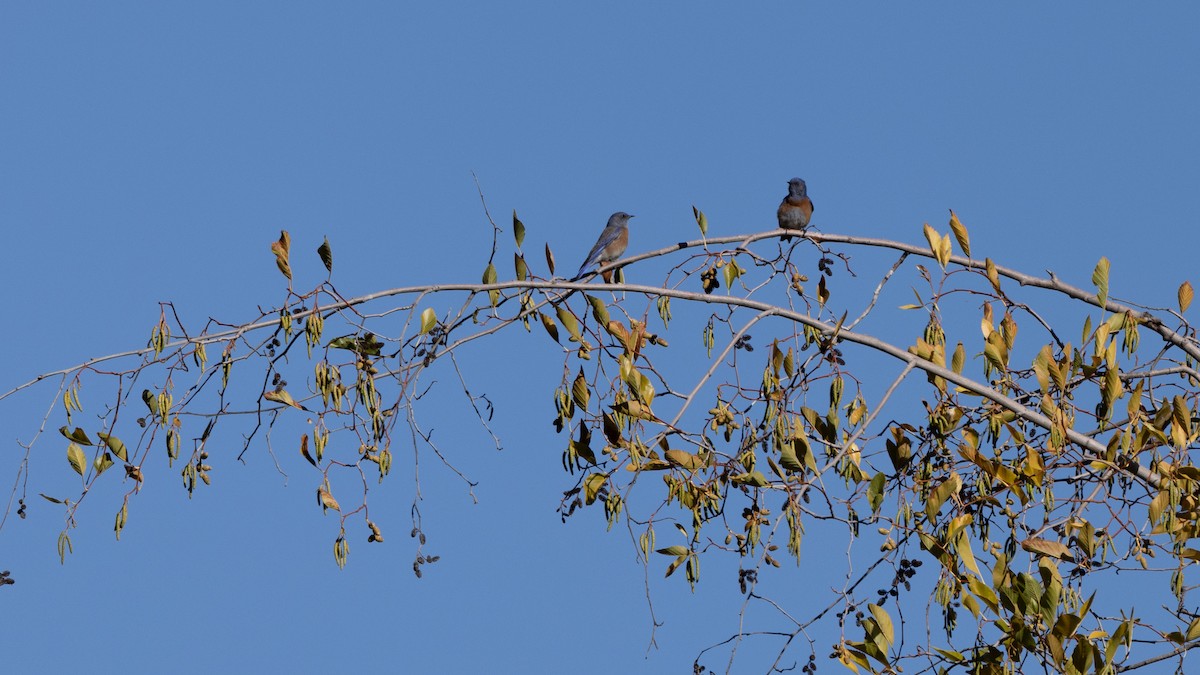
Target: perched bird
<point>611,244</point>
<point>796,208</point>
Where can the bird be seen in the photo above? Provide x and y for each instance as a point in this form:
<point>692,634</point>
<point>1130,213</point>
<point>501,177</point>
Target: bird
<point>796,208</point>
<point>612,243</point>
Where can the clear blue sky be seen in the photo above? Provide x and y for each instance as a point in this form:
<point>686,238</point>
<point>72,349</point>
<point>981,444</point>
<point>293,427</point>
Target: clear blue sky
<point>152,151</point>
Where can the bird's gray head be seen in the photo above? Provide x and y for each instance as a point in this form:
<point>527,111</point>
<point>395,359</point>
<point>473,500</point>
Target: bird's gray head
<point>797,187</point>
<point>619,218</point>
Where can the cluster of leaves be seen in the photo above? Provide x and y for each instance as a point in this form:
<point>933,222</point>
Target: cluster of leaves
<point>1025,470</point>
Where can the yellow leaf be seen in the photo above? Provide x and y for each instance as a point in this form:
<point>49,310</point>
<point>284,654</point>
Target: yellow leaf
<point>1185,296</point>
<point>76,458</point>
<point>960,233</point>
<point>280,249</point>
<point>939,495</point>
<point>281,396</point>
<point>1100,279</point>
<point>326,500</point>
<point>549,325</point>
<point>428,320</point>
<point>1048,548</point>
<point>684,459</point>
<point>993,274</point>
<point>884,621</point>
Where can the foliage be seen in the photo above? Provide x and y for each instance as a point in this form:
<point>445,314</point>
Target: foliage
<point>1013,475</point>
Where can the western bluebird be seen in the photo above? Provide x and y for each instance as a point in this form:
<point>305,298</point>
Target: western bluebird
<point>796,208</point>
<point>611,244</point>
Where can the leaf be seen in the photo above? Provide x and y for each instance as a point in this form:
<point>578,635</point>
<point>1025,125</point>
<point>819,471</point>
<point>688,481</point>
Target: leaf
<point>753,478</point>
<point>1185,296</point>
<point>960,233</point>
<point>489,277</point>
<point>579,390</point>
<point>731,272</point>
<point>958,359</point>
<point>79,436</point>
<point>939,246</point>
<point>326,500</point>
<point>76,458</point>
<point>676,550</point>
<point>599,311</point>
<point>549,325</point>
<point>592,485</point>
<point>568,321</point>
<point>701,220</point>
<point>304,450</point>
<point>684,459</point>
<point>939,495</point>
<point>549,259</point>
<point>367,345</point>
<point>953,657</point>
<point>428,320</point>
<point>1100,279</point>
<point>875,491</point>
<point>993,274</point>
<point>520,267</point>
<point>884,621</point>
<point>115,444</point>
<point>518,229</point>
<point>51,499</point>
<point>102,463</point>
<point>1048,548</point>
<point>280,249</point>
<point>281,396</point>
<point>326,254</point>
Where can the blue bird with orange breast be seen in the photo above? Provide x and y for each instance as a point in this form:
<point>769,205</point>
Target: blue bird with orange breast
<point>612,243</point>
<point>796,209</point>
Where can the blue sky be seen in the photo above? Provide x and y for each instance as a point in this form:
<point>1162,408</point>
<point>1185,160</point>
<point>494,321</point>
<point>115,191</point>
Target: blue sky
<point>152,151</point>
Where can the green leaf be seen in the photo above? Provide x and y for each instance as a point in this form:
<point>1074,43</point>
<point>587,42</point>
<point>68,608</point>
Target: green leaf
<point>731,273</point>
<point>429,318</point>
<point>884,621</point>
<point>102,463</point>
<point>518,229</point>
<point>676,550</point>
<point>521,268</point>
<point>115,444</point>
<point>326,254</point>
<point>940,494</point>
<point>753,478</point>
<point>79,435</point>
<point>1100,279</point>
<point>599,311</point>
<point>701,220</point>
<point>568,321</point>
<point>367,345</point>
<point>489,277</point>
<point>875,491</point>
<point>76,458</point>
